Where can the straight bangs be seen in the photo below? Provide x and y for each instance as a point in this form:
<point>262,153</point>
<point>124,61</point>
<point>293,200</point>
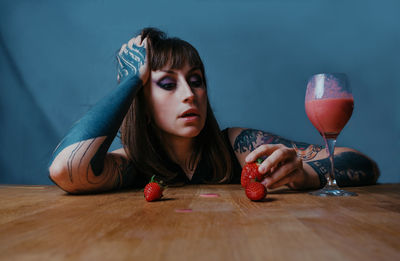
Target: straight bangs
<point>174,53</point>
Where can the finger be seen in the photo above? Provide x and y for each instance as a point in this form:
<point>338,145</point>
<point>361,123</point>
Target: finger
<point>281,173</point>
<point>262,150</point>
<point>285,181</point>
<point>143,43</point>
<point>291,180</point>
<point>277,158</point>
<point>123,49</point>
<point>134,41</point>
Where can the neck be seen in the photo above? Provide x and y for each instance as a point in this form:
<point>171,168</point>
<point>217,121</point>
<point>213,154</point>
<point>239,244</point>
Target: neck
<point>180,150</point>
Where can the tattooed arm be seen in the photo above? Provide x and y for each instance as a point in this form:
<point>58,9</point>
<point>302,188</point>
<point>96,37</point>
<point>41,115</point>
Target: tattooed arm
<point>301,165</point>
<point>80,163</point>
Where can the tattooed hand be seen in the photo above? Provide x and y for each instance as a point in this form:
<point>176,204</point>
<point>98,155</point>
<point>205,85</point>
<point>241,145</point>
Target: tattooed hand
<point>282,166</point>
<point>132,60</point>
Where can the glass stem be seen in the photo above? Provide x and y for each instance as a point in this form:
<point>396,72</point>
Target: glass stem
<point>330,176</point>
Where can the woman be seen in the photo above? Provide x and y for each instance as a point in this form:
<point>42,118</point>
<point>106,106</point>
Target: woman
<point>168,129</point>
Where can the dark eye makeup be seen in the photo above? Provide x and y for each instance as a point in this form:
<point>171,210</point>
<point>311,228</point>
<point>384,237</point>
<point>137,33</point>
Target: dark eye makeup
<point>195,80</point>
<point>169,83</point>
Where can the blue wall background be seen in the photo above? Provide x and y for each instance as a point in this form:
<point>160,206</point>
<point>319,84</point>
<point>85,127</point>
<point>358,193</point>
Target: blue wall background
<point>57,60</point>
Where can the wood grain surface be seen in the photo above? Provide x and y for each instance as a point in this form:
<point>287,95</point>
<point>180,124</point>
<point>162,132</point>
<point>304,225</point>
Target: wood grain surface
<point>45,223</point>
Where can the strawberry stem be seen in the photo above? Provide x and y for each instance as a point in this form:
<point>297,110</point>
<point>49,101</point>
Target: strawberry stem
<point>159,182</point>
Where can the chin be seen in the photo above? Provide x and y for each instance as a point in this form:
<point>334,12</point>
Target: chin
<point>190,132</point>
<point>183,131</point>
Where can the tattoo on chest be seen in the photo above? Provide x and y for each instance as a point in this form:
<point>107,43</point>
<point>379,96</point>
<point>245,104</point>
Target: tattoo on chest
<point>250,139</point>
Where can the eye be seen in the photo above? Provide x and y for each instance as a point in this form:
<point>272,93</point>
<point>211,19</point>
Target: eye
<point>195,81</point>
<point>167,83</point>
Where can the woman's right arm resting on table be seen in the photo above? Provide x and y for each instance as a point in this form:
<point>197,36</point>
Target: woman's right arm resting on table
<point>80,163</point>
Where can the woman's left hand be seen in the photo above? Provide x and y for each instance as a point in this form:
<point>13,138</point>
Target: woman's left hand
<point>282,166</point>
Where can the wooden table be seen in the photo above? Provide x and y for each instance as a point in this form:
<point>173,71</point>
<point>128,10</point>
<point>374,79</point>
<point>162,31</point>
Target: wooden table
<point>45,223</point>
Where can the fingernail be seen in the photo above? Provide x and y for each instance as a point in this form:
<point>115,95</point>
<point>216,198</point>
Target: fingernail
<point>261,169</point>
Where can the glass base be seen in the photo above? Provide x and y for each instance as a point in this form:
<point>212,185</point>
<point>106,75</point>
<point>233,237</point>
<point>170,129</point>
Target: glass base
<point>332,192</point>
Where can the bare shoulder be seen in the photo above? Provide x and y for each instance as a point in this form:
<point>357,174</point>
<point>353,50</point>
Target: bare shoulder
<point>233,132</point>
<point>120,152</point>
<point>116,164</point>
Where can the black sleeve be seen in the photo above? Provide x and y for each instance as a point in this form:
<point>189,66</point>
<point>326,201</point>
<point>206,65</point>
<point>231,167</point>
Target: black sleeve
<point>236,168</point>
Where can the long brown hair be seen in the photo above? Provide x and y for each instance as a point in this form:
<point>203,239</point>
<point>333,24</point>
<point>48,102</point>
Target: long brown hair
<point>141,138</point>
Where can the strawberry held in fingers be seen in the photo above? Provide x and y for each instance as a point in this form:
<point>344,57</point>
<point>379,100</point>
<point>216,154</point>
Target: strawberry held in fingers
<point>153,190</point>
<point>256,191</point>
<point>250,172</point>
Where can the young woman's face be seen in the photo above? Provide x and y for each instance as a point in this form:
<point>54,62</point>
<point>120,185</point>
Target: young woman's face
<point>178,101</point>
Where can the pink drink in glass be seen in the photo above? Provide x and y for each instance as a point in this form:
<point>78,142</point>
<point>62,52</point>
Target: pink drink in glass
<point>329,104</point>
<point>329,115</point>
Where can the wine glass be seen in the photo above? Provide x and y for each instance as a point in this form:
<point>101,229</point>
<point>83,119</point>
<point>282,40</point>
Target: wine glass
<point>329,104</point>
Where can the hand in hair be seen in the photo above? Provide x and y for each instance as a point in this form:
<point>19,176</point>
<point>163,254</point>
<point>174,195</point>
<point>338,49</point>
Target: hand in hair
<point>81,162</point>
<point>132,59</point>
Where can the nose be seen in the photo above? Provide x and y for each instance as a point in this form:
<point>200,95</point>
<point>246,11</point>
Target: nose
<point>187,92</point>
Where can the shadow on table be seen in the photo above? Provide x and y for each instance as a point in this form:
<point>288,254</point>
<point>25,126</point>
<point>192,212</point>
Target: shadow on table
<point>268,199</point>
<point>286,190</point>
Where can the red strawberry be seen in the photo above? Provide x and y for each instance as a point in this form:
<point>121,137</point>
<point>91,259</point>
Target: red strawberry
<point>256,191</point>
<point>153,190</point>
<point>250,172</point>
